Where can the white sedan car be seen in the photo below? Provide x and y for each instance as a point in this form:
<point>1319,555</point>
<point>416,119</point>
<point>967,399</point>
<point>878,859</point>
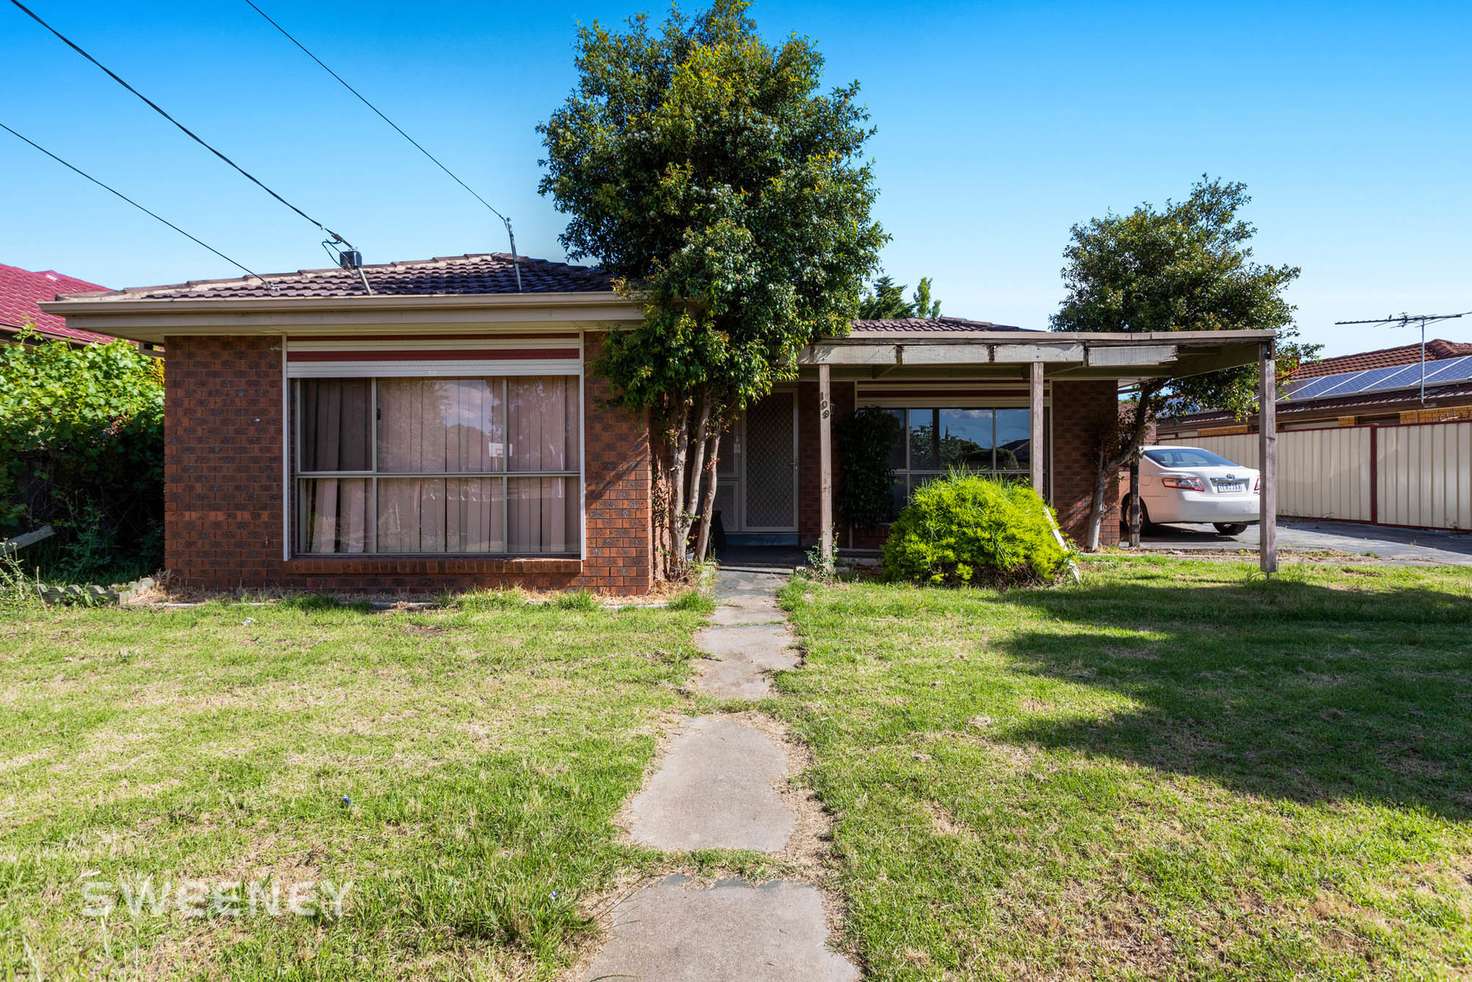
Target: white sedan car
<point>1189,484</point>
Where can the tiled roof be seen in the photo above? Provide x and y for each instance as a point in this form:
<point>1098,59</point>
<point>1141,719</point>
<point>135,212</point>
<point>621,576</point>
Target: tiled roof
<point>21,289</point>
<point>1455,394</point>
<point>1406,354</point>
<point>468,275</point>
<point>922,325</point>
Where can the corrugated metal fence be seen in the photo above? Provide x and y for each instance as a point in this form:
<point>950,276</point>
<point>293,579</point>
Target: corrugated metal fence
<point>1418,474</point>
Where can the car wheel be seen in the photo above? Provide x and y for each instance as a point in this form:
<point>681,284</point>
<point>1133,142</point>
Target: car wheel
<point>1230,528</point>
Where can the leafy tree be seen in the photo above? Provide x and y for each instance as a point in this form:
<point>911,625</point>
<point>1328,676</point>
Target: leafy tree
<point>886,301</point>
<point>81,447</point>
<point>1185,267</point>
<point>924,306</point>
<point>708,173</point>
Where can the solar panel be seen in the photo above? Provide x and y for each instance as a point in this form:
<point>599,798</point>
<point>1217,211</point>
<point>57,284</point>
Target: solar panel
<point>1349,383</point>
<point>1455,370</point>
<point>1308,388</point>
<point>1438,372</point>
<point>1403,376</point>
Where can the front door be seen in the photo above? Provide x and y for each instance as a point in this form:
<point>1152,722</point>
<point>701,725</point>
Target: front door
<point>768,462</point>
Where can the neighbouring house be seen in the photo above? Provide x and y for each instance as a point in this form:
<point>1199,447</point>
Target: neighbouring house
<point>21,290</point>
<point>1367,437</point>
<point>424,425</point>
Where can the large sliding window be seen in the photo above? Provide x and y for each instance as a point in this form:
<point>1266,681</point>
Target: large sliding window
<point>995,442</point>
<point>438,466</point>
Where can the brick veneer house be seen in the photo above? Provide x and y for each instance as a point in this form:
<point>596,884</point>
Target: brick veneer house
<point>426,425</point>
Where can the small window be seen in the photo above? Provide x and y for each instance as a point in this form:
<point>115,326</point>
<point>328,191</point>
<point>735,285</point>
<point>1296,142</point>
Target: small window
<point>457,466</point>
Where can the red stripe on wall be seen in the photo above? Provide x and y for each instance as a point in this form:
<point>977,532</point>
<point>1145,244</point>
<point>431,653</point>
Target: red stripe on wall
<point>494,354</point>
<point>874,392</point>
<point>483,336</point>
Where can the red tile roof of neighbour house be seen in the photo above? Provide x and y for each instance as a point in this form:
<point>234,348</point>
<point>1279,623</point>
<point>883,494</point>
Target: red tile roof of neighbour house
<point>1406,354</point>
<point>467,275</point>
<point>21,289</point>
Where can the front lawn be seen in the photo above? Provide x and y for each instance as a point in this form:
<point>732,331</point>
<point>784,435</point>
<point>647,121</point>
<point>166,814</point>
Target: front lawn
<point>1175,769</point>
<point>456,768</point>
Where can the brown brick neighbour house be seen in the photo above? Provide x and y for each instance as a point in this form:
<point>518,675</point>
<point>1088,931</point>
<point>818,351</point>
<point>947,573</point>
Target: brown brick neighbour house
<point>441,429</point>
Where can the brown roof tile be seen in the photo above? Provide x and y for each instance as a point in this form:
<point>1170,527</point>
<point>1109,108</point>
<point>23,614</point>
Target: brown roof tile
<point>474,274</point>
<point>922,325</point>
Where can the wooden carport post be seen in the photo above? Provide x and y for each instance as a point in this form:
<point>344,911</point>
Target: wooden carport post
<point>1267,435</point>
<point>1035,436</point>
<point>825,465</point>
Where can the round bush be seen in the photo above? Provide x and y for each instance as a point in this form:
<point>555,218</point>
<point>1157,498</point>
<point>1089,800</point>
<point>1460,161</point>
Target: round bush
<point>966,529</point>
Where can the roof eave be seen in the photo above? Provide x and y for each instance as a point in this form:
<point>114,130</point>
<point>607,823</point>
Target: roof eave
<point>74,306</point>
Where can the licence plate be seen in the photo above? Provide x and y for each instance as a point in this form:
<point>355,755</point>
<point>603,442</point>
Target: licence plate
<point>1229,486</point>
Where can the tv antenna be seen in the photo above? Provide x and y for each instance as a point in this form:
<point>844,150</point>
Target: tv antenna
<point>1406,320</point>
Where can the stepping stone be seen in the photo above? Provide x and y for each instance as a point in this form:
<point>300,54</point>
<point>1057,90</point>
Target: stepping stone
<point>741,657</point>
<point>737,585</point>
<point>733,615</point>
<point>731,932</point>
<point>715,789</point>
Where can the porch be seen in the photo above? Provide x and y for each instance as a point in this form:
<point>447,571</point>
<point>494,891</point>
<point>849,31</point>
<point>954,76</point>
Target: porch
<point>1024,404</point>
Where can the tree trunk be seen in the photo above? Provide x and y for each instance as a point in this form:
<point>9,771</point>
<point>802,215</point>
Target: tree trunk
<point>708,498</point>
<point>679,438</point>
<point>696,469</point>
<point>1096,504</point>
<point>1111,459</point>
<point>660,493</point>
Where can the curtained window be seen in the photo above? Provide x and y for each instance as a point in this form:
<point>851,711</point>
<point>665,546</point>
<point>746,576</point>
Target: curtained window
<point>457,466</point>
<point>935,441</point>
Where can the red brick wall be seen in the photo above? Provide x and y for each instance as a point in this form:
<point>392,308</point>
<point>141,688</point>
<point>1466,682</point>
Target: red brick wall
<point>1082,411</point>
<point>222,490</point>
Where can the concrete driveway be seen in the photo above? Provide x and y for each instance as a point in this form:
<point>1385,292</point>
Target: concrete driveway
<point>1394,544</point>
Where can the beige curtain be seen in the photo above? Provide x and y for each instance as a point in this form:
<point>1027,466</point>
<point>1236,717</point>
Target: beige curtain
<point>335,435</point>
<point>440,426</point>
<point>429,431</point>
<point>543,511</point>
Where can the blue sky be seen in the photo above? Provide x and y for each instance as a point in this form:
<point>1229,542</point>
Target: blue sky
<point>999,124</point>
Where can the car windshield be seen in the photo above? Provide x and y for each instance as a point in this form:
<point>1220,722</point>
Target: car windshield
<point>1187,457</point>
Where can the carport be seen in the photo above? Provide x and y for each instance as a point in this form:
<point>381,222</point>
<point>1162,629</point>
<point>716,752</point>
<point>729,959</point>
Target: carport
<point>1042,360</point>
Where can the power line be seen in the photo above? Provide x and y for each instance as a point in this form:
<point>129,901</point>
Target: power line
<point>151,214</point>
<point>184,129</point>
<point>398,129</point>
<point>1406,320</point>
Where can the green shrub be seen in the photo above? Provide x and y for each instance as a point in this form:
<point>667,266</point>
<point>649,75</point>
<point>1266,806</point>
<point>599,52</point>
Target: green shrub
<point>82,448</point>
<point>966,529</point>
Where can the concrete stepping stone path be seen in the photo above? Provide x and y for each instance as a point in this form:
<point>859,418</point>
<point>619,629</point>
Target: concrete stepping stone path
<point>719,786</point>
<point>717,789</point>
<point>677,930</point>
<point>741,657</point>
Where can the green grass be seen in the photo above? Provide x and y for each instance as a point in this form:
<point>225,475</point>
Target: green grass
<point>1174,769</point>
<point>459,767</point>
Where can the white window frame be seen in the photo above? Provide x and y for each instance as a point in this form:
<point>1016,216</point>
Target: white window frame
<point>294,478</point>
